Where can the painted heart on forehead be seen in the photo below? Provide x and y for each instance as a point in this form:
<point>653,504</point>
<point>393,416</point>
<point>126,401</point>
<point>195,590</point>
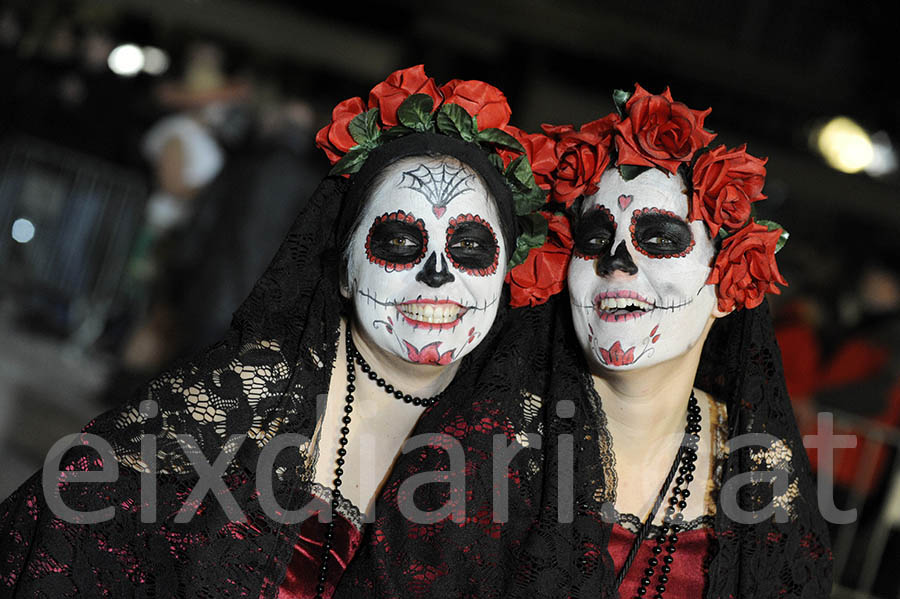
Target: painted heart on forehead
<point>425,260</point>
<point>637,282</point>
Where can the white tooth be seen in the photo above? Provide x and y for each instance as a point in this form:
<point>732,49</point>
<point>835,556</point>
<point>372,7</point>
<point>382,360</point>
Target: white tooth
<point>622,302</point>
<point>428,312</point>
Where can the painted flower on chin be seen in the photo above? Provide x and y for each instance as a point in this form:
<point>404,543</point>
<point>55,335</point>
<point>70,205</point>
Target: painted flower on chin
<point>430,354</point>
<point>615,356</point>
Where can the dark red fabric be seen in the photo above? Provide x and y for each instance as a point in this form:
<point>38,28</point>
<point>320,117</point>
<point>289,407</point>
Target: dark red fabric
<point>303,572</point>
<point>688,577</point>
<point>801,356</point>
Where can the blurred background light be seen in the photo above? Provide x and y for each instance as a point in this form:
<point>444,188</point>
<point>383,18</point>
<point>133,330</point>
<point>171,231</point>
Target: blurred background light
<point>884,161</point>
<point>126,60</point>
<point>156,61</point>
<point>22,230</point>
<point>845,145</point>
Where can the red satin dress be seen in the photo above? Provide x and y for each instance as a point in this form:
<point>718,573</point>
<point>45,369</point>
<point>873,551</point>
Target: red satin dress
<point>303,572</point>
<point>687,580</point>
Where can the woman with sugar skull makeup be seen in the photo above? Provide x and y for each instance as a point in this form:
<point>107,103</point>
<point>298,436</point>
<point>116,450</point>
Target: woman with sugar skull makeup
<point>375,318</point>
<point>690,478</point>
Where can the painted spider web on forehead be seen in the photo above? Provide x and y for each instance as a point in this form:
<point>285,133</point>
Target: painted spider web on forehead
<point>439,185</point>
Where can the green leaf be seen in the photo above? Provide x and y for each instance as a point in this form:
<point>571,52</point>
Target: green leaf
<point>534,234</point>
<point>497,162</point>
<point>782,240</point>
<point>771,225</point>
<point>500,138</point>
<point>620,98</point>
<point>415,112</point>
<point>630,171</point>
<point>395,132</point>
<point>351,162</point>
<point>519,172</point>
<point>530,200</point>
<point>364,128</point>
<point>452,119</point>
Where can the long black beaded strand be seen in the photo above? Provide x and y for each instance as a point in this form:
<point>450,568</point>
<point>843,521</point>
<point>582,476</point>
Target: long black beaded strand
<point>353,356</point>
<point>684,466</point>
<point>339,470</point>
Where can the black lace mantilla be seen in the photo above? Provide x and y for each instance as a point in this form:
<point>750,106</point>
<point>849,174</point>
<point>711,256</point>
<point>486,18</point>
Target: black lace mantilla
<point>525,378</point>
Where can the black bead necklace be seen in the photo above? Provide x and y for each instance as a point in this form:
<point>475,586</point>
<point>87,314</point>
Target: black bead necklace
<point>355,358</point>
<point>667,536</point>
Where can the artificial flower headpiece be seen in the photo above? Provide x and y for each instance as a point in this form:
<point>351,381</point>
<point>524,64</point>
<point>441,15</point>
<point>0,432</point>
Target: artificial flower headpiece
<point>654,131</point>
<point>408,102</point>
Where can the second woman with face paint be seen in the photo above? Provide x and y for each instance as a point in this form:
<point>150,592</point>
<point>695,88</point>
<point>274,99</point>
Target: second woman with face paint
<point>690,478</point>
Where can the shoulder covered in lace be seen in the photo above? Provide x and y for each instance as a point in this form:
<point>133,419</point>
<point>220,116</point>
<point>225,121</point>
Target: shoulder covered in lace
<point>202,404</point>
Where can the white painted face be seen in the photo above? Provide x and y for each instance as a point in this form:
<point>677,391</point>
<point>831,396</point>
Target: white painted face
<point>637,281</point>
<point>426,262</point>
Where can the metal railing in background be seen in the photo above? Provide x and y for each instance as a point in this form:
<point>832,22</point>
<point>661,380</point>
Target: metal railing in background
<point>869,533</point>
<point>68,222</point>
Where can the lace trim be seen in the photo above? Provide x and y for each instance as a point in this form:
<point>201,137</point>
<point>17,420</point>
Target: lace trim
<point>605,494</point>
<point>718,416</point>
<point>345,508</point>
<point>632,524</point>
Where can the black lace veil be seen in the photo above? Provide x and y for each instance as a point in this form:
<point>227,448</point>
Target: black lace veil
<point>548,550</point>
<point>523,385</point>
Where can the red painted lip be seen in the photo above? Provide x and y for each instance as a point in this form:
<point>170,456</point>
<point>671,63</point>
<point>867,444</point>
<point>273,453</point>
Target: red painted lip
<point>432,325</point>
<point>624,293</point>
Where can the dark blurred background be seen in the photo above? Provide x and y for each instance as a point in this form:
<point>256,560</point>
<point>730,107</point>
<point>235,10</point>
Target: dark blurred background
<point>153,152</point>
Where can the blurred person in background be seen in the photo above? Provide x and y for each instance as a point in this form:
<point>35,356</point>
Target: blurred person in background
<point>240,220</point>
<point>861,375</point>
<point>187,156</point>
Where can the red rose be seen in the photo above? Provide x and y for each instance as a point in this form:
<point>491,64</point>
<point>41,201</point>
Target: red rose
<point>541,152</point>
<point>334,138</point>
<point>483,101</point>
<point>745,269</point>
<point>388,95</point>
<point>543,274</point>
<point>659,131</point>
<point>582,157</point>
<point>726,182</point>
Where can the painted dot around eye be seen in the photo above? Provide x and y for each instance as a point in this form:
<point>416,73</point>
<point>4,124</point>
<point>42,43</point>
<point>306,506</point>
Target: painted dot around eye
<point>489,249</point>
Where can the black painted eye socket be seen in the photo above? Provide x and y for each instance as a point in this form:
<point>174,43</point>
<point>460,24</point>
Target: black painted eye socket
<point>396,242</point>
<point>661,234</point>
<point>594,233</point>
<point>472,245</point>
